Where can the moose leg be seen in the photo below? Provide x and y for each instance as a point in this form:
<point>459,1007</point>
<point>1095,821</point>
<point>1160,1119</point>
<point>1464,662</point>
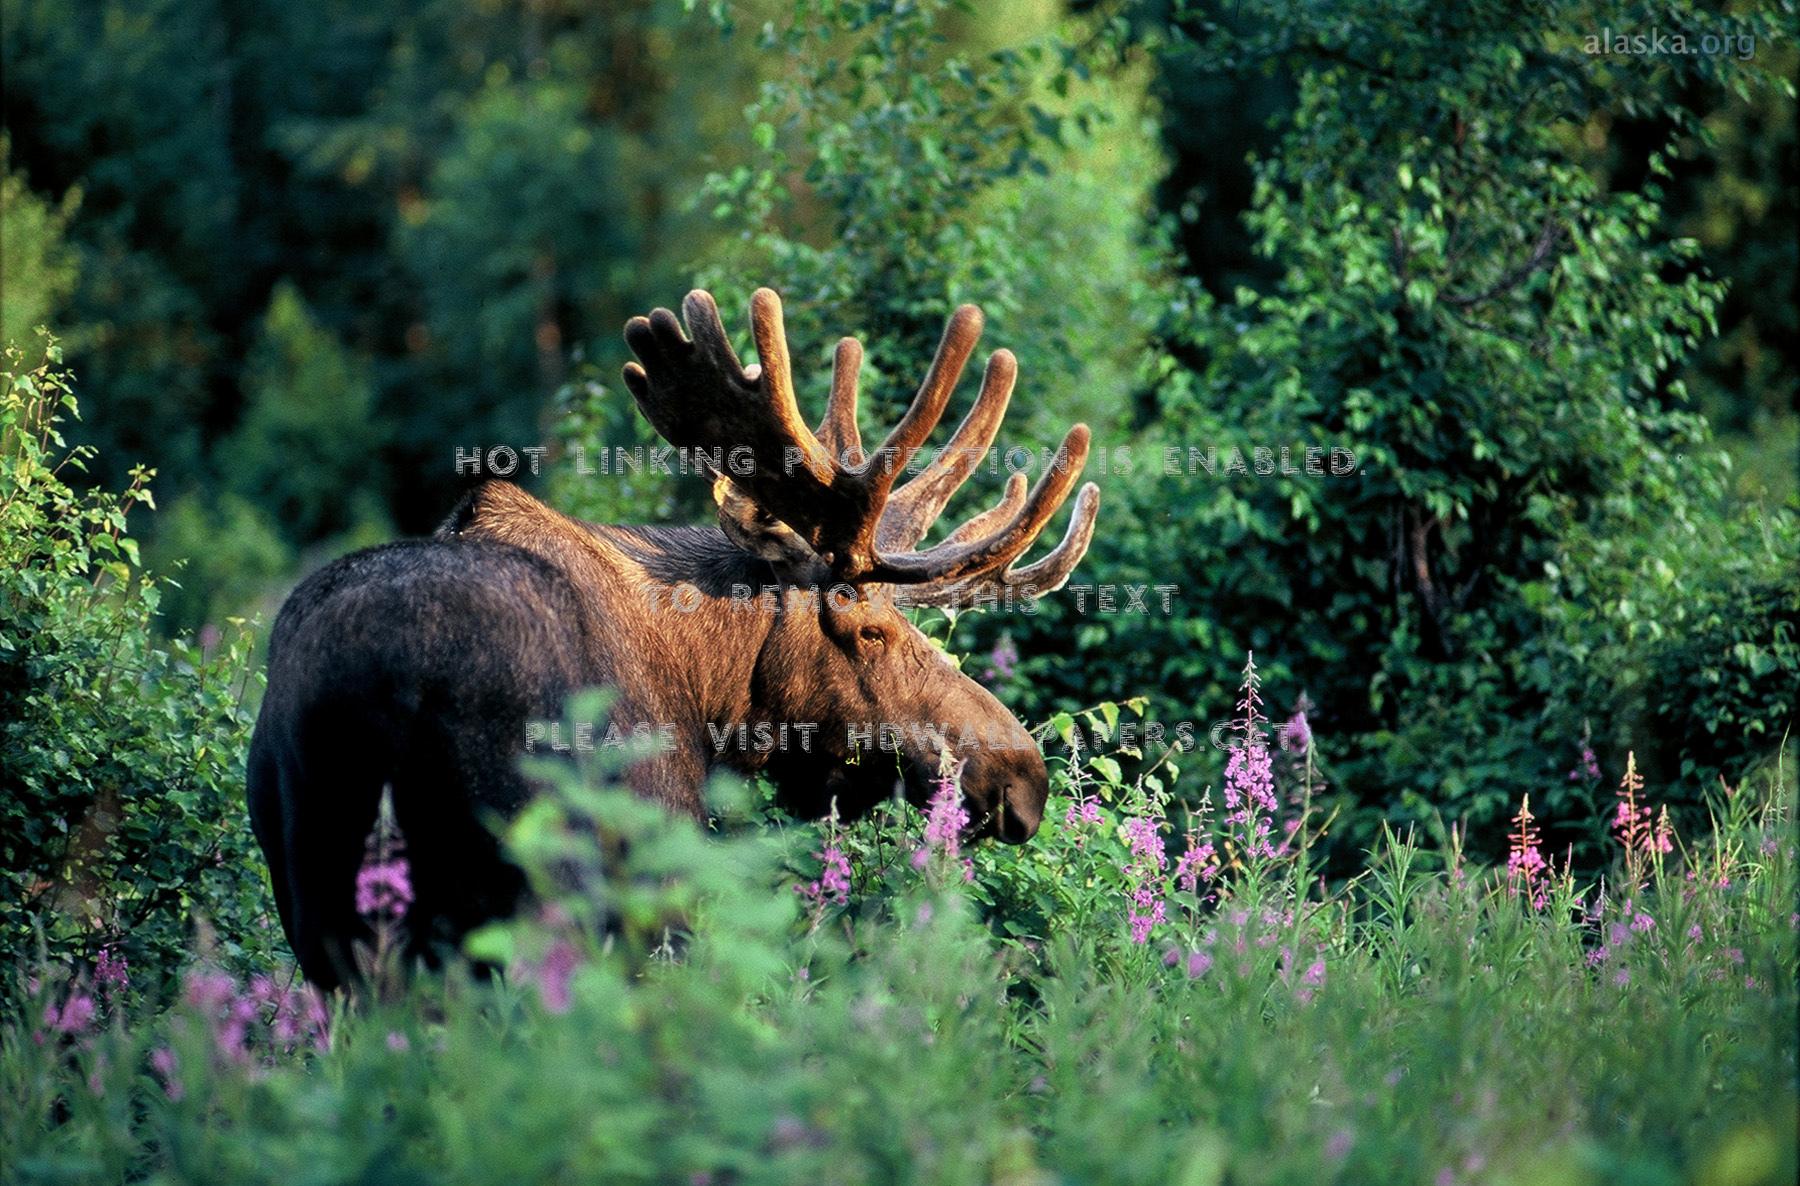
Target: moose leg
<point>331,795</point>
<point>263,791</point>
<point>460,875</point>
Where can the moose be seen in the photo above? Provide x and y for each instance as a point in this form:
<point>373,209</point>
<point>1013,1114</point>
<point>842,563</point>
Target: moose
<point>422,666</point>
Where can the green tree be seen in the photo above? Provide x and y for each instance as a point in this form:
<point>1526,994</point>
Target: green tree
<point>1499,340</point>
<point>306,448</point>
<point>37,267</point>
<point>912,157</point>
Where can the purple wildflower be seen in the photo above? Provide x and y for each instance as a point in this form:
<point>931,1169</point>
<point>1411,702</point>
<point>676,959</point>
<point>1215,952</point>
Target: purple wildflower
<point>1003,659</point>
<point>833,884</point>
<point>164,1063</point>
<point>1296,734</point>
<point>1144,874</point>
<point>112,974</point>
<point>555,973</point>
<point>1083,809</point>
<point>1199,963</point>
<point>1525,864</point>
<point>1250,774</point>
<point>945,819</point>
<point>1198,862</point>
<point>74,1017</point>
<point>384,889</point>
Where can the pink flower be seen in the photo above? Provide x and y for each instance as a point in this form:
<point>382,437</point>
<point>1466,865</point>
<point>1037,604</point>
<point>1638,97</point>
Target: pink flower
<point>833,885</point>
<point>163,1062</point>
<point>945,819</point>
<point>1084,809</point>
<point>1144,874</point>
<point>75,1016</point>
<point>1003,659</point>
<point>1199,963</point>
<point>1198,862</point>
<point>384,889</point>
<point>555,974</point>
<point>111,972</point>
<point>1339,1145</point>
<point>1296,735</point>
<point>1249,792</point>
<point>1525,865</point>
<point>397,1042</point>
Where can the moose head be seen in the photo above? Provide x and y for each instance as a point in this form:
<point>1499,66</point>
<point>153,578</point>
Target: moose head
<point>840,533</point>
<point>426,666</point>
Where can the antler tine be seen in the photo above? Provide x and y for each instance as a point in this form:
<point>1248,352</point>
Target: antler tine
<point>838,431</point>
<point>1049,574</point>
<point>952,563</point>
<point>694,391</point>
<point>777,378</point>
<point>1039,577</point>
<point>961,333</point>
<point>1001,512</point>
<point>912,509</point>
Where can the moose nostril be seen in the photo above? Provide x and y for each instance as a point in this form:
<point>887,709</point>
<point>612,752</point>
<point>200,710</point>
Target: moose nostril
<point>1016,825</point>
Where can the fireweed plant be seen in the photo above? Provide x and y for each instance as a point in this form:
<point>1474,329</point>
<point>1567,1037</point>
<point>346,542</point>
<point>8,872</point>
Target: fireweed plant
<point>1157,989</point>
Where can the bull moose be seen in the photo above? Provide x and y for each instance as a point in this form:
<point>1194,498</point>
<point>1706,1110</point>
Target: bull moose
<point>422,665</point>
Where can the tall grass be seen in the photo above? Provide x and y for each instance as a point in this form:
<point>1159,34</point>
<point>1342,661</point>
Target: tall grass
<point>1130,998</point>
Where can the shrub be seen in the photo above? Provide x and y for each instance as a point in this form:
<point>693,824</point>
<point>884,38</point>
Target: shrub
<point>801,1004</point>
<point>121,757</point>
<point>1500,341</point>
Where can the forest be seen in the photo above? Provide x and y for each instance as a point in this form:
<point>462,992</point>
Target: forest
<point>1443,372</point>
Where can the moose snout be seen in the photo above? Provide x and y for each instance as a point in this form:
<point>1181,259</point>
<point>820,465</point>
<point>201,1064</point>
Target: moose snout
<point>1022,810</point>
<point>1006,793</point>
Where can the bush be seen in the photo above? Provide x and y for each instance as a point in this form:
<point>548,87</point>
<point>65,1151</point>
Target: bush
<point>823,1004</point>
<point>1499,341</point>
<point>121,758</point>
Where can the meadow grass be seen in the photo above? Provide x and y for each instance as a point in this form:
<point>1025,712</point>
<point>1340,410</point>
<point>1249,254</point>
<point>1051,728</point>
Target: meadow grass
<point>1131,998</point>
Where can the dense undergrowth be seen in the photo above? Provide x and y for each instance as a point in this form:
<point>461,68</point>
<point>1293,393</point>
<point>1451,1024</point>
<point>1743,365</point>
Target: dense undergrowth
<point>1130,998</point>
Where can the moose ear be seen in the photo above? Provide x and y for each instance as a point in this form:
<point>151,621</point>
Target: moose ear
<point>755,531</point>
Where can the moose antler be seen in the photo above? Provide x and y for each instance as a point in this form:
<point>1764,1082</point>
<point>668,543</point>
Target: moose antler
<point>695,393</point>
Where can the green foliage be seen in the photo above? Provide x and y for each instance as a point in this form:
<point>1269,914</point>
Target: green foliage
<point>303,448</point>
<point>515,229</point>
<point>121,782</point>
<point>224,554</point>
<point>36,264</point>
<point>904,167</point>
<point>1498,340</point>
<point>1427,1024</point>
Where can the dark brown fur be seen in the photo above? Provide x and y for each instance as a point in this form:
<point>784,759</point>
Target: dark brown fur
<point>421,665</point>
